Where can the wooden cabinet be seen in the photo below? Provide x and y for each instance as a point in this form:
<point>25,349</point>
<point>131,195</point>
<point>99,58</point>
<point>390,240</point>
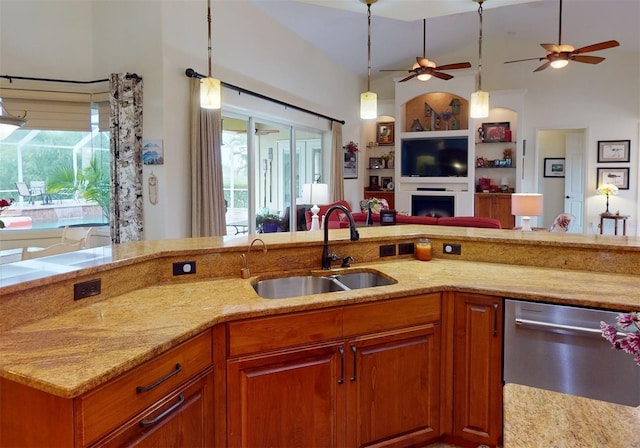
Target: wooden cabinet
<point>166,401</point>
<point>378,382</point>
<point>477,367</point>
<point>381,194</point>
<point>495,205</point>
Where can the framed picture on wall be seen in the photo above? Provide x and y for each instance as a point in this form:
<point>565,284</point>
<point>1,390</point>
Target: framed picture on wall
<point>385,134</point>
<point>612,151</point>
<point>350,167</point>
<point>553,167</point>
<point>615,176</point>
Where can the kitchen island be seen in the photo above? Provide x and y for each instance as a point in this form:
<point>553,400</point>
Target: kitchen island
<point>68,349</point>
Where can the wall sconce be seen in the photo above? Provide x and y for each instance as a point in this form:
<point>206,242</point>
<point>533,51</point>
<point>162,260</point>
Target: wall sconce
<point>526,205</point>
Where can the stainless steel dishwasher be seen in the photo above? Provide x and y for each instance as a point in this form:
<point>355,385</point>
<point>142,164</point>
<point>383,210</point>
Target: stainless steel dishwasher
<point>560,348</point>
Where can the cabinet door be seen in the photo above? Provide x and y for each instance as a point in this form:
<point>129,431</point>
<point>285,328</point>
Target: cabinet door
<point>394,388</point>
<point>483,205</point>
<point>290,399</point>
<point>477,384</point>
<point>183,419</point>
<point>503,211</point>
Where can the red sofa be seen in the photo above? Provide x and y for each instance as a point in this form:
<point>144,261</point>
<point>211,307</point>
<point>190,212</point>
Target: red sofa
<point>338,220</point>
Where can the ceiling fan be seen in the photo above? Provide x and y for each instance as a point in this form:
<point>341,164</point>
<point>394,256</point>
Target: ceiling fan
<point>559,55</point>
<point>424,69</point>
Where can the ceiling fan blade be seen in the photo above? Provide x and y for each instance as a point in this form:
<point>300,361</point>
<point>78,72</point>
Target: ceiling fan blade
<point>454,66</point>
<point>597,47</point>
<point>522,60</point>
<point>444,76</point>
<point>407,78</point>
<point>587,59</point>
<point>553,48</point>
<point>543,66</point>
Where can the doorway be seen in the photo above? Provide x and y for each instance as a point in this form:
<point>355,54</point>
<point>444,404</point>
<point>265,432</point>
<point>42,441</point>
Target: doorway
<point>564,191</point>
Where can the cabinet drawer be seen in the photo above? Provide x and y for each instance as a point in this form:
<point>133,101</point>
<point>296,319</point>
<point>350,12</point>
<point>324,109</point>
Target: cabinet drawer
<point>389,314</point>
<point>105,408</point>
<point>276,332</point>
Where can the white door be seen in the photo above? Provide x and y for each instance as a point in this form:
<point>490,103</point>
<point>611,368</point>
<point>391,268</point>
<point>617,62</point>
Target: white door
<point>574,179</point>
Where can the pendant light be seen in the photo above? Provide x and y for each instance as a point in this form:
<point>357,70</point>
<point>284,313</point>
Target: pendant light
<point>209,86</point>
<point>369,100</point>
<point>9,123</point>
<point>479,105</point>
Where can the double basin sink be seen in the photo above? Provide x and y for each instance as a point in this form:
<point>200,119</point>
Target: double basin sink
<point>302,285</point>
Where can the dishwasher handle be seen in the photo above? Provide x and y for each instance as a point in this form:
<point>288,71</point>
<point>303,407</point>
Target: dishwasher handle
<point>554,326</point>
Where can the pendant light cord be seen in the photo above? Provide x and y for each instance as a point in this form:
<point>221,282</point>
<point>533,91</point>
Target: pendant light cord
<point>479,84</point>
<point>209,32</point>
<point>369,46</point>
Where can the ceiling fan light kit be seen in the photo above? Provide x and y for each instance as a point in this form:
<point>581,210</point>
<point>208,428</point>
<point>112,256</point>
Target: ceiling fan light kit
<point>479,103</point>
<point>558,56</point>
<point>368,100</point>
<point>9,123</point>
<point>210,90</point>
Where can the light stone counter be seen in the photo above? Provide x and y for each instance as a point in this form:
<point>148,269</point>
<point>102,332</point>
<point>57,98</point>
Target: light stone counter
<point>540,418</point>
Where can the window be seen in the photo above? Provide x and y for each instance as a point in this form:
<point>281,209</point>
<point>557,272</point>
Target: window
<point>66,170</point>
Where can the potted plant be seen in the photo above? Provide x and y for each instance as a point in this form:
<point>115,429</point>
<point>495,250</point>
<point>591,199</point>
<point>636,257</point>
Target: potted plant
<point>267,222</point>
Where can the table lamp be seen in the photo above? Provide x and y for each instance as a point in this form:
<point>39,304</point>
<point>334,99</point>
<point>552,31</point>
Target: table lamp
<point>609,190</point>
<point>315,194</point>
<point>526,205</point>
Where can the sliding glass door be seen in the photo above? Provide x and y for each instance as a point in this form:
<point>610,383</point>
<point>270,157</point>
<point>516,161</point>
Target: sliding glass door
<point>264,200</point>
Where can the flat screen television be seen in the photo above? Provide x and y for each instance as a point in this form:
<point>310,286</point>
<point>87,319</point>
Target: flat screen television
<point>434,157</point>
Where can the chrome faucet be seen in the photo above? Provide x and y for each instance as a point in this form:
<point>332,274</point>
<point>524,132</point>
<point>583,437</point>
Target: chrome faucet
<point>245,272</point>
<point>328,257</point>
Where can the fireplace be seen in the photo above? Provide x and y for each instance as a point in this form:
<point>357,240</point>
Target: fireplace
<point>436,206</point>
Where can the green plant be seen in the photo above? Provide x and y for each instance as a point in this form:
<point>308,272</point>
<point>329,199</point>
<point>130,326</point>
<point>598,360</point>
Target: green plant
<point>92,183</point>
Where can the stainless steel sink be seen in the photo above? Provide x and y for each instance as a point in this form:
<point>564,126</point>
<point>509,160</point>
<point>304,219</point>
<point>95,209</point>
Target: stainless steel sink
<point>302,285</point>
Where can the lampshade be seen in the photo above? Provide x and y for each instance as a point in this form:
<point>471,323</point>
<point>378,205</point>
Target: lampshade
<point>368,105</point>
<point>209,86</point>
<point>368,100</point>
<point>479,104</point>
<point>210,93</point>
<point>315,193</point>
<point>8,123</point>
<point>608,190</point>
<point>526,205</point>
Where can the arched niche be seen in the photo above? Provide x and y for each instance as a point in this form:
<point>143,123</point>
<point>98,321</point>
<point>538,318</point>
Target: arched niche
<point>434,111</point>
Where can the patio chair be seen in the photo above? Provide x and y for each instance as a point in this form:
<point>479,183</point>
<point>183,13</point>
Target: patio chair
<point>59,248</point>
<point>75,234</point>
<point>24,191</point>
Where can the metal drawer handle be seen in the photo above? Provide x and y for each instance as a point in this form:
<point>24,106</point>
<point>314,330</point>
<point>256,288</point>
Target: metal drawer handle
<point>153,421</point>
<point>552,326</point>
<point>355,362</point>
<point>141,389</point>
<point>341,350</point>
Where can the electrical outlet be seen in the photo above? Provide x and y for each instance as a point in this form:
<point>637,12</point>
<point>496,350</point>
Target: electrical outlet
<point>452,249</point>
<point>388,250</point>
<point>86,289</point>
<point>406,248</point>
<point>184,267</point>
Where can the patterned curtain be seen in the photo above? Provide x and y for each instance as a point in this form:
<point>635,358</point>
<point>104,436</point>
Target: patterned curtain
<point>337,162</point>
<point>126,221</point>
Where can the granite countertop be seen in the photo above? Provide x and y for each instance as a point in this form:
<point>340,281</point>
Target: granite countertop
<point>75,351</point>
<point>536,418</point>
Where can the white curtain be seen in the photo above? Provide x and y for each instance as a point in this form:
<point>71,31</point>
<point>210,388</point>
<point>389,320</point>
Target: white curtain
<point>207,188</point>
<point>337,163</point>
<point>125,123</point>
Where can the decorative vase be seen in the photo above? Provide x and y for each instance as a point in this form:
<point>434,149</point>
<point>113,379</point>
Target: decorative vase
<point>369,217</point>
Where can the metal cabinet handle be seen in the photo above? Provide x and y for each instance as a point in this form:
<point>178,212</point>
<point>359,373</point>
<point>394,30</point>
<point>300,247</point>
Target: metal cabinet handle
<point>153,421</point>
<point>355,363</point>
<point>552,326</point>
<point>495,319</point>
<point>141,389</point>
<point>341,350</point>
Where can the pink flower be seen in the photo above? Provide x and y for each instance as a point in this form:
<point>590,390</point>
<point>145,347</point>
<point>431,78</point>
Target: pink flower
<point>351,147</point>
<point>629,324</point>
